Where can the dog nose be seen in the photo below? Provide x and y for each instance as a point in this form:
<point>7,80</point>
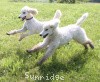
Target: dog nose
<point>40,34</point>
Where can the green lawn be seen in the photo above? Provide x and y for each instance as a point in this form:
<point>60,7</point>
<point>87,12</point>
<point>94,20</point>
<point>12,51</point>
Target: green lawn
<point>70,62</point>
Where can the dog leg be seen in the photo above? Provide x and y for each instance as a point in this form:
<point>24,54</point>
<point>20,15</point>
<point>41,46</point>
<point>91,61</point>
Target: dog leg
<point>48,53</point>
<point>85,46</point>
<point>12,32</point>
<point>25,35</point>
<point>37,47</point>
<point>91,44</point>
<point>22,36</point>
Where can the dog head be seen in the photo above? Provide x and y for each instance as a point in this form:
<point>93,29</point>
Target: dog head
<point>49,28</point>
<point>27,12</point>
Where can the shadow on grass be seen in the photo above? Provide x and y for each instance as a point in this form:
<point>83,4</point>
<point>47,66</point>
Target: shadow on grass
<point>26,57</point>
<point>75,63</point>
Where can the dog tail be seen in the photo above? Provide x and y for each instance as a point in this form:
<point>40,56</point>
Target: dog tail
<point>57,15</point>
<point>82,19</point>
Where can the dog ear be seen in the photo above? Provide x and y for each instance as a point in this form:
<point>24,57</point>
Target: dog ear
<point>55,23</point>
<point>33,11</point>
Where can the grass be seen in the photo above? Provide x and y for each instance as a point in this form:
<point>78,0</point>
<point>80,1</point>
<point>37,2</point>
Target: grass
<point>71,62</point>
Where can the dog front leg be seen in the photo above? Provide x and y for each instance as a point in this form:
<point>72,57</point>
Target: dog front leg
<point>48,53</point>
<point>12,32</point>
<point>22,36</point>
<point>37,47</point>
<point>25,35</point>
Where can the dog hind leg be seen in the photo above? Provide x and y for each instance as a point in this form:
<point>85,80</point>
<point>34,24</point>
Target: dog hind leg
<point>85,46</point>
<point>91,44</point>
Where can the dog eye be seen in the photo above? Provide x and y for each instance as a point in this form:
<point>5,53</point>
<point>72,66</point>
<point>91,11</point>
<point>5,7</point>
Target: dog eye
<point>23,12</point>
<point>46,29</point>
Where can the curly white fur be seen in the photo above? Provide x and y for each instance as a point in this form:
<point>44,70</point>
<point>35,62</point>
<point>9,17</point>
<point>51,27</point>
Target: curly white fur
<point>55,36</point>
<point>31,24</point>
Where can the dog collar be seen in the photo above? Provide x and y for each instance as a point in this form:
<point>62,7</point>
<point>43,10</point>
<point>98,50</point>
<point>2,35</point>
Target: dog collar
<point>29,18</point>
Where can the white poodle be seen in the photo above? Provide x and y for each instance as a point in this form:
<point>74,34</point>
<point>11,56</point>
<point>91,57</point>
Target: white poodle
<point>55,36</point>
<point>31,24</point>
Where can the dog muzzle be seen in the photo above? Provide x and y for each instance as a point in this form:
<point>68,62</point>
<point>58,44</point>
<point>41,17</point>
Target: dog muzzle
<point>23,18</point>
<point>45,35</point>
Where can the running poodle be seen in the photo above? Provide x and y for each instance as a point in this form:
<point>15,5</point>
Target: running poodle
<point>31,24</point>
<point>55,36</point>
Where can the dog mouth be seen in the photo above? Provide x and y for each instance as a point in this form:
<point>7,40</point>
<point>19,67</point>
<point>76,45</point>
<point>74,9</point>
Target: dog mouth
<point>23,18</point>
<point>45,36</point>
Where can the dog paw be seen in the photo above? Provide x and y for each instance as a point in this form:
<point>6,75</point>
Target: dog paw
<point>7,33</point>
<point>12,32</point>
